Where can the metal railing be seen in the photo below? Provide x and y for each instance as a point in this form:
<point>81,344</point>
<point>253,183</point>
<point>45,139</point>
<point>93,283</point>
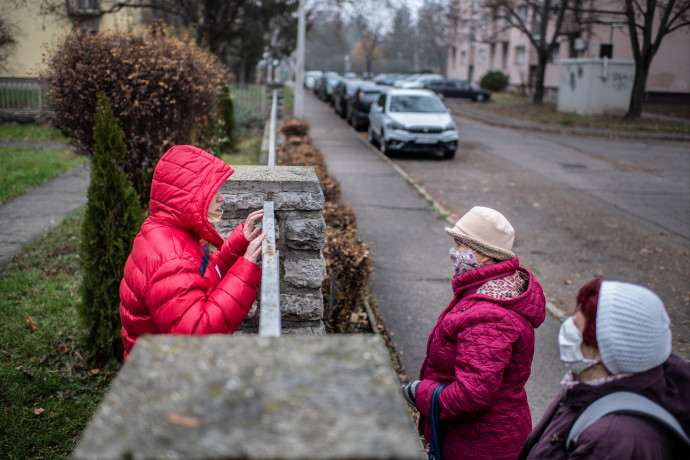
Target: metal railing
<point>21,94</point>
<point>269,317</point>
<point>251,98</point>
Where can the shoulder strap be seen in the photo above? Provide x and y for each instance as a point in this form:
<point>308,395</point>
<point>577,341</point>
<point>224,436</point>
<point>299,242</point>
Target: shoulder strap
<point>436,444</point>
<point>623,402</point>
<point>204,261</point>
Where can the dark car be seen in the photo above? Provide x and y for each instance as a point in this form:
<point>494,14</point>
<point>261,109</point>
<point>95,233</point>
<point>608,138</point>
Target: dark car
<point>451,87</point>
<point>326,86</point>
<point>357,112</point>
<point>387,79</point>
<point>342,93</point>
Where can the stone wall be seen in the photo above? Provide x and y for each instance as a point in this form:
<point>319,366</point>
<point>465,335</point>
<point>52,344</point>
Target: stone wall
<point>251,397</point>
<point>300,237</point>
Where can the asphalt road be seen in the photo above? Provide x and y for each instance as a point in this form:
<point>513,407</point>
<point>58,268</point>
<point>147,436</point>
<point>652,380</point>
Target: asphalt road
<point>570,198</point>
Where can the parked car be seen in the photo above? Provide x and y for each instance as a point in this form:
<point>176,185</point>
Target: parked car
<point>342,93</point>
<point>419,81</point>
<point>458,88</point>
<point>412,120</point>
<point>357,110</point>
<point>310,78</point>
<point>326,85</point>
<point>387,79</point>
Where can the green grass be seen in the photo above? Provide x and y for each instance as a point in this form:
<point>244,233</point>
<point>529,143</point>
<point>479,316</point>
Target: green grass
<point>24,168</point>
<point>288,98</point>
<point>30,133</point>
<point>248,150</point>
<point>47,390</point>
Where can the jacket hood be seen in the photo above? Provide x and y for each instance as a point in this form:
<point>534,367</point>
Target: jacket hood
<point>184,182</point>
<point>531,304</point>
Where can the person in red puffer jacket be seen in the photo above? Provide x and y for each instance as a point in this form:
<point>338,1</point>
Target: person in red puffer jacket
<point>482,345</point>
<point>171,284</point>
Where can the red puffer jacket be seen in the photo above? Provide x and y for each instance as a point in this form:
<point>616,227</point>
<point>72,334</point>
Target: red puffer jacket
<point>482,349</point>
<point>163,290</point>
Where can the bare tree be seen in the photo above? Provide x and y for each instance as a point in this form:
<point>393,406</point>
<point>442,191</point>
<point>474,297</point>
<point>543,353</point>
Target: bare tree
<point>371,17</point>
<point>433,30</point>
<point>648,22</point>
<point>542,21</point>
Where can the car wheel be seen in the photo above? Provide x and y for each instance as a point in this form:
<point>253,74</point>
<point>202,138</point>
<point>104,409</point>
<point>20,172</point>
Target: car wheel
<point>479,98</point>
<point>448,154</point>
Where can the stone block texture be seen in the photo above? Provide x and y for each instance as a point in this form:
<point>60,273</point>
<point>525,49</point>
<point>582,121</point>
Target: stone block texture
<point>251,397</point>
<point>300,237</point>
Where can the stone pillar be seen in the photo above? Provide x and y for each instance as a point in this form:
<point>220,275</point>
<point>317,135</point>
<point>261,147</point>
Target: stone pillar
<point>300,237</point>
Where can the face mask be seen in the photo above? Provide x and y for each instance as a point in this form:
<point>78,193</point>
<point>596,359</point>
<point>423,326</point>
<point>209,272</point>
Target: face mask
<point>463,261</point>
<point>569,342</point>
<point>214,217</point>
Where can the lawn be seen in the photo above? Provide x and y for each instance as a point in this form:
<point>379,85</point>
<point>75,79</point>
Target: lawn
<point>30,133</point>
<point>522,108</point>
<point>23,168</point>
<point>48,391</point>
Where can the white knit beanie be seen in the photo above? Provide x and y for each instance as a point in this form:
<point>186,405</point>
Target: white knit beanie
<point>487,231</point>
<point>633,328</point>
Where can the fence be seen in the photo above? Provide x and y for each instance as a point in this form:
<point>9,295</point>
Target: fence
<point>21,94</point>
<point>249,101</point>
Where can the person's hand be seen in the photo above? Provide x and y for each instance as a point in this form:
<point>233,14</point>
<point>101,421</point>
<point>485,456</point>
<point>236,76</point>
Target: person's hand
<point>254,248</point>
<point>409,391</point>
<point>249,231</point>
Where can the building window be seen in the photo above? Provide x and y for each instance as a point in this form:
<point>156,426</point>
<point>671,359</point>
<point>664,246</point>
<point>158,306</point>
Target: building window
<point>523,13</point>
<point>482,57</point>
<point>454,56</point>
<point>555,56</point>
<point>504,57</point>
<point>520,54</point>
<point>463,58</point>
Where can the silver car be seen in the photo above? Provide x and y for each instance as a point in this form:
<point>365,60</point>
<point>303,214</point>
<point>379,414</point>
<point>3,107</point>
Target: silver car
<point>412,120</point>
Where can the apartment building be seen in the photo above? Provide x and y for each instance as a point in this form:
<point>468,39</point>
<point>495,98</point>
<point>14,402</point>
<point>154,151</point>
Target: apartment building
<point>35,30</point>
<point>481,42</point>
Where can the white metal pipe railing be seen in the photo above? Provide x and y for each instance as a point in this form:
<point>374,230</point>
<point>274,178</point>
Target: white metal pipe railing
<point>272,131</point>
<point>269,319</point>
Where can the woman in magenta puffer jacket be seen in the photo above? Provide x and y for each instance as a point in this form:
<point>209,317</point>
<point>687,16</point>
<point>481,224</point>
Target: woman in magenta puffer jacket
<point>171,284</point>
<point>482,345</point>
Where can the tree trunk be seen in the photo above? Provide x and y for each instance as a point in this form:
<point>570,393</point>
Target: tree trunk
<point>639,89</point>
<point>538,97</point>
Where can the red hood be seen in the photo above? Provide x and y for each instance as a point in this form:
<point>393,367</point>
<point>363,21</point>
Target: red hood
<point>184,182</point>
<point>531,304</point>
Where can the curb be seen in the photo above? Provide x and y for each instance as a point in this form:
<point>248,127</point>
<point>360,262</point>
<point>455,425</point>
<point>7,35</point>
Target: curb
<point>511,124</point>
<point>553,310</point>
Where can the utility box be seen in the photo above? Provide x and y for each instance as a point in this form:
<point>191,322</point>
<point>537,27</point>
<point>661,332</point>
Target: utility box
<point>595,86</point>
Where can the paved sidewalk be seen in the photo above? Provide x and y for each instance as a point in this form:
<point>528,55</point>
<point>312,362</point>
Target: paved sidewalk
<point>30,216</point>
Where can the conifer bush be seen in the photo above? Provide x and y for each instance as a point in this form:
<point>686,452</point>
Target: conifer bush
<point>163,91</point>
<point>112,219</point>
<point>494,80</point>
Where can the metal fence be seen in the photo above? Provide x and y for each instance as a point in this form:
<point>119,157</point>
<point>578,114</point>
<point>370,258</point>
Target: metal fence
<point>252,98</point>
<point>21,94</point>
<point>269,319</point>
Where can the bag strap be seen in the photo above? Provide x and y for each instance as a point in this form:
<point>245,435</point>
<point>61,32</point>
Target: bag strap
<point>205,260</point>
<point>436,444</point>
<point>622,402</point>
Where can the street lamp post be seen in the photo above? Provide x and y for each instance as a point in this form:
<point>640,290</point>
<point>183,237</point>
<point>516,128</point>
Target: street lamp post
<point>298,108</point>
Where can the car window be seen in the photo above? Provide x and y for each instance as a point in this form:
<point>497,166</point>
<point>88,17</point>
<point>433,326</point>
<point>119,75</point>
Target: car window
<point>416,103</point>
<point>382,100</point>
<point>370,96</point>
<point>451,84</point>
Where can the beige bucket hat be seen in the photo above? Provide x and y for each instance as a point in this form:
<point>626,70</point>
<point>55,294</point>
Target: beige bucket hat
<point>487,231</point>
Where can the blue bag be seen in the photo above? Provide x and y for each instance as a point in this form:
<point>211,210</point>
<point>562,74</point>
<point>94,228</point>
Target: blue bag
<point>436,444</point>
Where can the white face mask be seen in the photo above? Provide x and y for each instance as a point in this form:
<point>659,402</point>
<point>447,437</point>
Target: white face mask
<point>214,217</point>
<point>463,261</point>
<point>569,343</point>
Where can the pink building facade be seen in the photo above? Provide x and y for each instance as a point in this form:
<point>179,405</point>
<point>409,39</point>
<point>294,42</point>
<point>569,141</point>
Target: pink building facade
<point>479,44</point>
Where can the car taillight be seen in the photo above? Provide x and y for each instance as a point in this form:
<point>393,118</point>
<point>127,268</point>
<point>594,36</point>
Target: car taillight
<point>361,96</point>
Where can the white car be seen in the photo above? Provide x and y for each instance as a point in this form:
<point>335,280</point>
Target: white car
<point>420,81</point>
<point>412,120</point>
<point>310,78</point>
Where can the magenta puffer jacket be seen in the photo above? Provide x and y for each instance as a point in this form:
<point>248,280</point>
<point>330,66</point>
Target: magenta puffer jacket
<point>482,349</point>
<point>163,289</point>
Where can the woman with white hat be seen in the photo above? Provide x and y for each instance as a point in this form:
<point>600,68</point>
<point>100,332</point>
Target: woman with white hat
<point>618,340</point>
<point>482,345</point>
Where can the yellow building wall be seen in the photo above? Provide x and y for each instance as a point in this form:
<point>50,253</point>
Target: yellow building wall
<point>35,32</point>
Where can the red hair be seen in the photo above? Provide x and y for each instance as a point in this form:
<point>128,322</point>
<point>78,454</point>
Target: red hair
<point>587,301</point>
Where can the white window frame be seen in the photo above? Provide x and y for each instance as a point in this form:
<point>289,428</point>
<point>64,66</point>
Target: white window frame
<point>520,54</point>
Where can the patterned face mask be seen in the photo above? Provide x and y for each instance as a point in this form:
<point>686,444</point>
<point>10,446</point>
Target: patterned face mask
<point>463,261</point>
<point>214,217</point>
